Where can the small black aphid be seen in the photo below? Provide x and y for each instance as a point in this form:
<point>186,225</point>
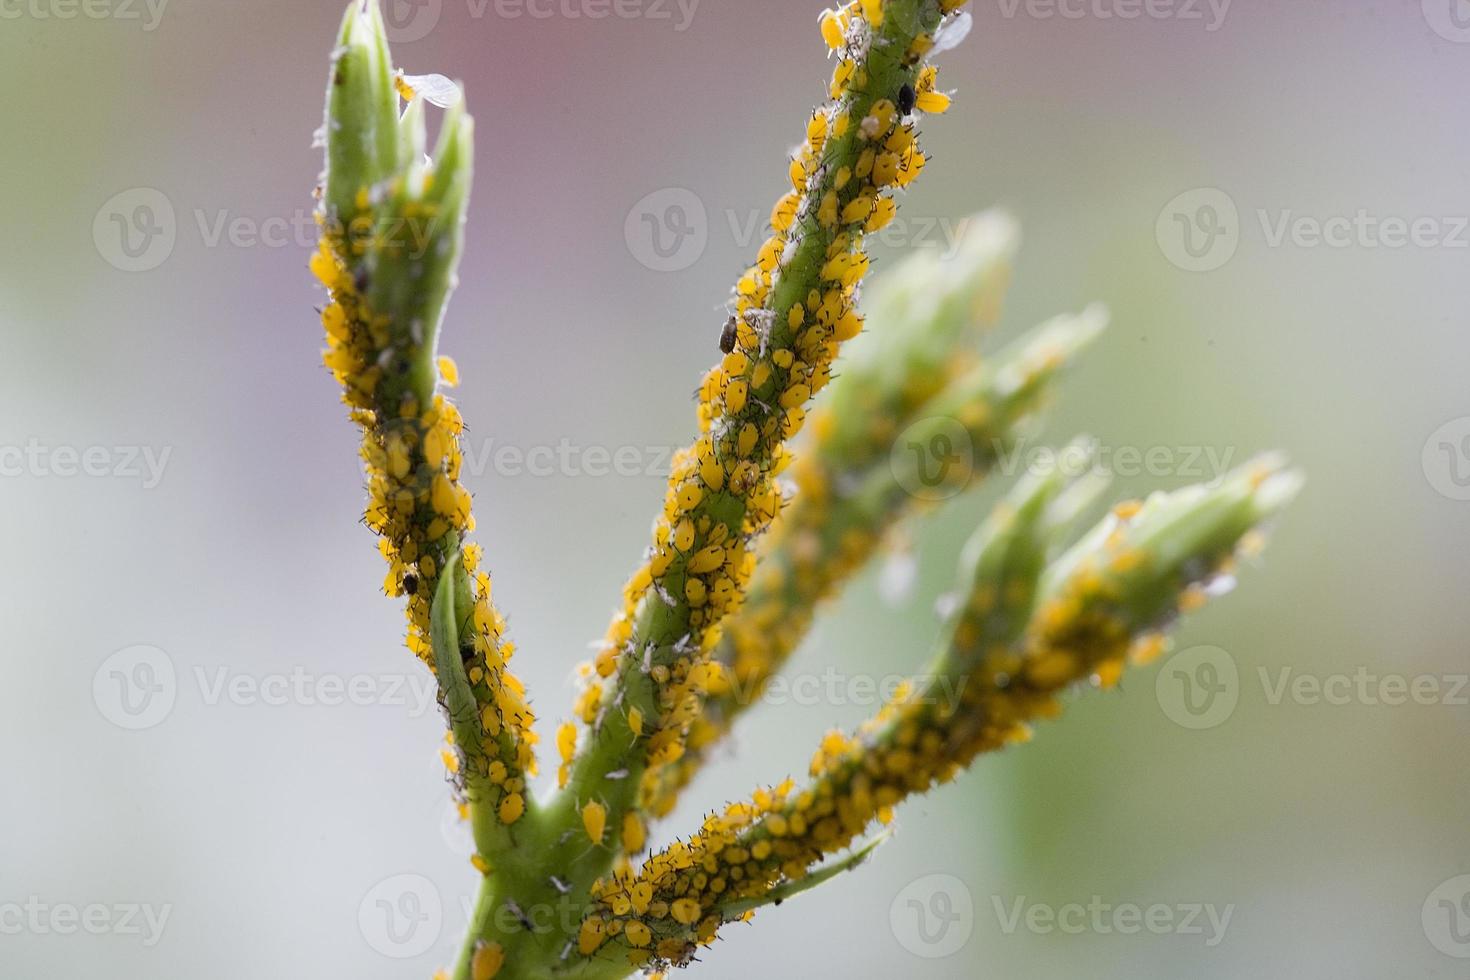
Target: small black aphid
<point>410,584</point>
<point>727,336</point>
<point>906,99</point>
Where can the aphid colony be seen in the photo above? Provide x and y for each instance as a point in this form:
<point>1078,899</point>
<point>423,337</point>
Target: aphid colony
<point>411,451</point>
<point>997,674</point>
<point>793,308</point>
<point>825,536</point>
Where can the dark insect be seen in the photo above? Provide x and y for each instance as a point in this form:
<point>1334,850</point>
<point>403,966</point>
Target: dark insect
<point>906,98</point>
<point>410,584</point>
<point>727,336</point>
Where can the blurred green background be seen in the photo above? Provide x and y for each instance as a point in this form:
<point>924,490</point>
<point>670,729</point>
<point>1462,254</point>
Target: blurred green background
<point>275,830</point>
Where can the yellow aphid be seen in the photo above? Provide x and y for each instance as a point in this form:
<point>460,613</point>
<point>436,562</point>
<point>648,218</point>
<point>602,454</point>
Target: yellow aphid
<point>591,934</point>
<point>932,102</point>
<point>635,721</point>
<point>827,210</point>
<point>689,496</point>
<point>594,820</point>
<point>685,911</point>
<point>448,370</point>
<point>848,326</point>
<point>883,213</point>
<point>712,473</point>
<point>684,535</point>
<point>783,215</point>
<point>797,173</point>
<point>442,496</point>
<point>913,165</point>
<point>334,320</point>
<point>633,833</point>
<point>451,760</point>
<point>747,439</point>
<point>857,210</point>
<point>885,169</point>
<point>873,11</point>
<point>566,741</point>
<point>511,808</point>
<point>487,961</point>
<point>706,560</point>
<point>480,864</point>
<point>1193,599</point>
<point>816,130</point>
<point>831,29</point>
<point>637,934</point>
<point>735,394</point>
<point>841,75</point>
